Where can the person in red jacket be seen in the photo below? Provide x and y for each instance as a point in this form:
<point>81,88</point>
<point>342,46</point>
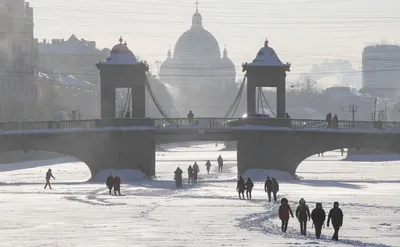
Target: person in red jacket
<point>284,211</point>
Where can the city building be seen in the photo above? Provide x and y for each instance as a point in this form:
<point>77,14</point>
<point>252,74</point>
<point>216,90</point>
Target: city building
<point>381,70</point>
<point>201,79</point>
<point>18,91</point>
<point>71,56</point>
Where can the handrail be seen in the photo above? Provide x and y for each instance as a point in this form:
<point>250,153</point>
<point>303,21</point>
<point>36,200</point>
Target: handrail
<point>205,122</point>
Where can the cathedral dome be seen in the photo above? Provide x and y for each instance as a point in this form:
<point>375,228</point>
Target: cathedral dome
<point>226,62</point>
<point>197,43</point>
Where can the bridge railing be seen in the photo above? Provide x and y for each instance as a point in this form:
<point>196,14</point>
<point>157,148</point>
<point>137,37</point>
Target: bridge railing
<point>344,124</point>
<point>195,123</point>
<point>47,125</point>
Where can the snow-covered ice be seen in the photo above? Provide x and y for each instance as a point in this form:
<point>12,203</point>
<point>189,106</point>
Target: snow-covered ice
<point>154,213</point>
<point>125,175</point>
<point>261,174</point>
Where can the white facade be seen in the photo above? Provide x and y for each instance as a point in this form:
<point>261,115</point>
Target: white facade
<point>381,67</point>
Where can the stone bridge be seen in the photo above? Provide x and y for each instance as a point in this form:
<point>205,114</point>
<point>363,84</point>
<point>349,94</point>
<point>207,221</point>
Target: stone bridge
<point>109,144</point>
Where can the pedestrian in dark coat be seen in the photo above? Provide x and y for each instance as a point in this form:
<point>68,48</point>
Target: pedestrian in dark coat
<point>190,116</point>
<point>335,122</point>
<point>190,174</point>
<point>275,188</point>
<point>284,211</point>
<point>336,215</point>
<point>178,177</point>
<point>302,213</point>
<point>268,188</point>
<point>196,170</point>
<point>329,119</point>
<point>318,217</point>
<point>208,166</point>
<point>48,176</point>
<point>249,188</point>
<point>220,163</point>
<point>240,187</point>
<point>110,183</point>
<point>117,185</point>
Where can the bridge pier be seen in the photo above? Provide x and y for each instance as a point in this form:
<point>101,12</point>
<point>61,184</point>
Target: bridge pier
<point>125,150</point>
<point>272,151</point>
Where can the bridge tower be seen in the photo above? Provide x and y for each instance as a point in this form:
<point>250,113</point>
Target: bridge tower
<point>122,70</point>
<point>266,70</point>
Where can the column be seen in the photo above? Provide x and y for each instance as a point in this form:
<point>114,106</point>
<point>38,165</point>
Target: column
<point>107,102</point>
<point>281,101</point>
<point>251,98</point>
<point>139,101</point>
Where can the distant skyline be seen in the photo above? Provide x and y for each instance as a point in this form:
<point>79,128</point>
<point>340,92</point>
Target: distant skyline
<point>303,32</point>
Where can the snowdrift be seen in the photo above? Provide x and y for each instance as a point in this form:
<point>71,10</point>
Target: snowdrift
<point>372,157</point>
<point>125,175</point>
<point>261,175</point>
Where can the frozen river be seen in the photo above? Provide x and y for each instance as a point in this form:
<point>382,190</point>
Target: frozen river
<point>154,213</point>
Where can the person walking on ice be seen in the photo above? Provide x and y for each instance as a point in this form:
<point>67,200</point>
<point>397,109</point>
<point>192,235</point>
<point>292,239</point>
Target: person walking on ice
<point>208,166</point>
<point>48,176</point>
<point>178,177</point>
<point>302,213</point>
<point>190,175</point>
<point>318,217</point>
<point>275,188</point>
<point>249,188</point>
<point>240,187</point>
<point>220,163</point>
<point>110,183</point>
<point>268,188</point>
<point>336,215</point>
<point>284,211</point>
<point>196,170</point>
<point>117,185</point>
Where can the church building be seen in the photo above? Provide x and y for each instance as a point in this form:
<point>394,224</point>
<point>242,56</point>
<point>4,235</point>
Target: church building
<point>200,76</point>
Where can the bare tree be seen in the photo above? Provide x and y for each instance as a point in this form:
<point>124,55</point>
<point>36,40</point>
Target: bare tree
<point>308,85</point>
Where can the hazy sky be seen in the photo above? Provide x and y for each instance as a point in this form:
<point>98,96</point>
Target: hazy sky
<point>303,32</point>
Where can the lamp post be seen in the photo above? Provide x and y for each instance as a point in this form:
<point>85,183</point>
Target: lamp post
<point>353,110</point>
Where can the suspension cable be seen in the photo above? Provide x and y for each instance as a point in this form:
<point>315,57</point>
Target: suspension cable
<point>236,101</point>
<point>266,101</point>
<point>258,100</point>
<point>127,99</point>
<point>157,104</point>
<point>262,104</point>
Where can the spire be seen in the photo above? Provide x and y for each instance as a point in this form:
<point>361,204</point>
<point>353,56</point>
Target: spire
<point>266,43</point>
<point>197,20</point>
<point>225,53</point>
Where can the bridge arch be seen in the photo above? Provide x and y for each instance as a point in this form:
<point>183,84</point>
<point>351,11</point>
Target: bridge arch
<point>321,144</point>
<point>68,169</point>
<point>50,143</point>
